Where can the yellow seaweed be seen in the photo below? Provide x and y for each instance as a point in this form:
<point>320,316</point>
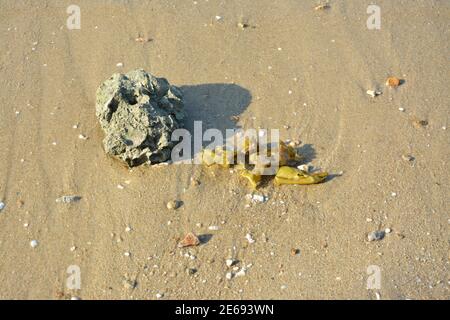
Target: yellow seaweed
<point>288,175</point>
<point>254,179</point>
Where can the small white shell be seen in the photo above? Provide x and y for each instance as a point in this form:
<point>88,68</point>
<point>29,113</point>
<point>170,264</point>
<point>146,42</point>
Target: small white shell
<point>249,238</point>
<point>373,93</point>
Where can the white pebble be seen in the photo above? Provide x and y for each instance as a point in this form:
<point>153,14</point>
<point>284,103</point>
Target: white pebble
<point>126,254</point>
<point>2,206</point>
<point>119,65</point>
<point>229,276</point>
<point>401,109</point>
<point>229,262</point>
<point>241,273</point>
<point>128,229</point>
<point>393,194</point>
<point>249,238</point>
<point>213,228</point>
<point>121,187</point>
<point>82,137</point>
<point>257,197</point>
<point>34,243</point>
<point>387,230</point>
<point>159,295</point>
<point>73,248</point>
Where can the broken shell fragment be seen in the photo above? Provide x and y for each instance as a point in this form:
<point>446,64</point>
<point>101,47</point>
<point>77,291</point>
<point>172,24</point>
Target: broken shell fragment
<point>419,123</point>
<point>407,157</point>
<point>68,199</point>
<point>322,7</point>
<point>189,240</point>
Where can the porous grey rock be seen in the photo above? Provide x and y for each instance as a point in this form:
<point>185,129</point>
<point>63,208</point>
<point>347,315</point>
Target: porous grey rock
<point>138,113</point>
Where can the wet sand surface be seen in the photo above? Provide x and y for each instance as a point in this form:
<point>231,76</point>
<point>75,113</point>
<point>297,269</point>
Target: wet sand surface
<point>293,68</point>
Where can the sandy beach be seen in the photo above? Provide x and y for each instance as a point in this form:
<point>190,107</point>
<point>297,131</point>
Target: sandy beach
<point>240,64</point>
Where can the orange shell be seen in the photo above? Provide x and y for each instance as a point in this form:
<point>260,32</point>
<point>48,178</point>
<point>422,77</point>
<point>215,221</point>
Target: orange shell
<point>393,82</point>
<point>189,240</point>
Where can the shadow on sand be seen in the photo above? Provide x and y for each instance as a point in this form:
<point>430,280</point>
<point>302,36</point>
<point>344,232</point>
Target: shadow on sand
<point>214,104</point>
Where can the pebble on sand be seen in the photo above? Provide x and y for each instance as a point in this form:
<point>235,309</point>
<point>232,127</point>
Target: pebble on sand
<point>173,205</point>
<point>322,7</point>
<point>230,262</point>
<point>376,235</point>
<point>34,243</point>
<point>2,205</point>
<point>129,284</point>
<point>373,93</point>
<point>407,157</point>
<point>241,272</point>
<point>195,182</point>
<point>68,199</point>
<point>257,198</point>
<point>418,124</point>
